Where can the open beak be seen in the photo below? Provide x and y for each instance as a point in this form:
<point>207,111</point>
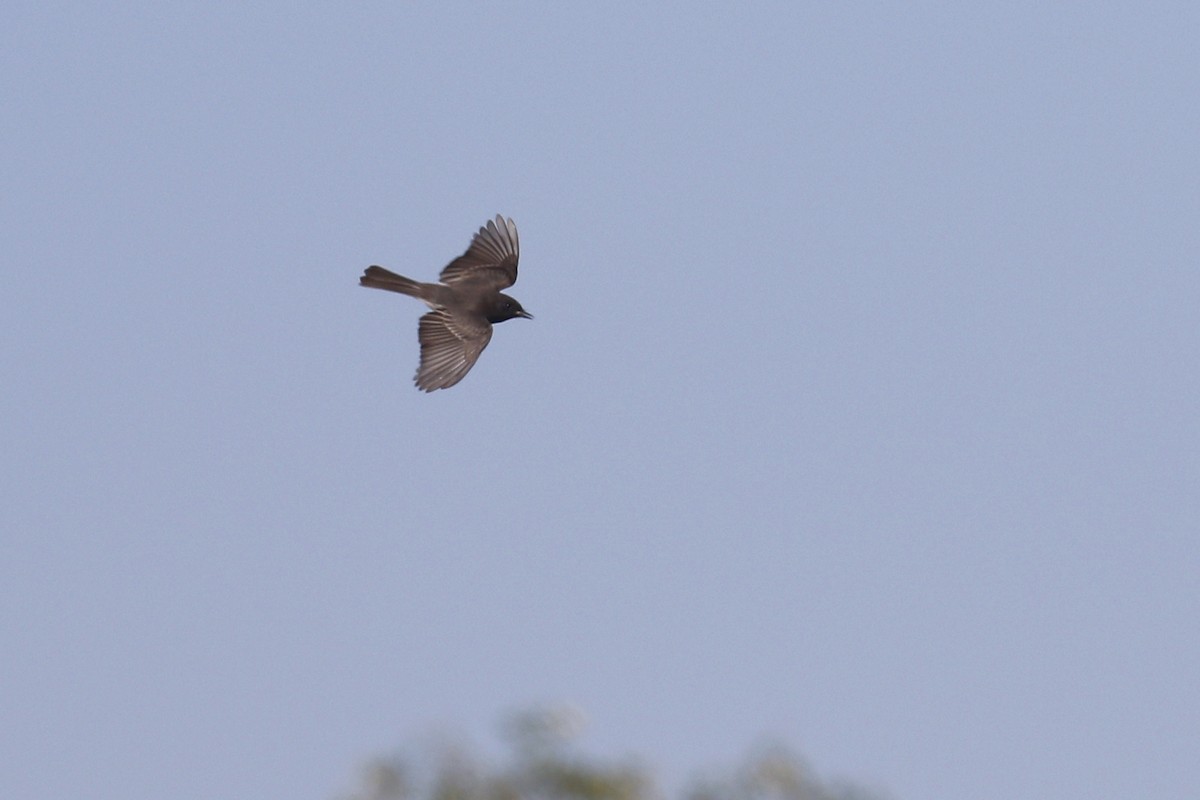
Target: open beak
<point>524,314</point>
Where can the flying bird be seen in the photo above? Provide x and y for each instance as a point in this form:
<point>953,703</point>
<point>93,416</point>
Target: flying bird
<point>465,304</point>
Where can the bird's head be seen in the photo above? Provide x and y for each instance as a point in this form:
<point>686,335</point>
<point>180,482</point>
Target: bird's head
<point>506,307</point>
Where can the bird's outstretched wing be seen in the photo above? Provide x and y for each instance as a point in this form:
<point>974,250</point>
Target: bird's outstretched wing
<point>491,258</point>
<point>450,346</point>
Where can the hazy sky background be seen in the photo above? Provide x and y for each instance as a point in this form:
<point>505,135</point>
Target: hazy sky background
<point>860,409</point>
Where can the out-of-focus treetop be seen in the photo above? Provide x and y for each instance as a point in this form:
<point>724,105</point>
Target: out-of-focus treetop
<point>543,763</point>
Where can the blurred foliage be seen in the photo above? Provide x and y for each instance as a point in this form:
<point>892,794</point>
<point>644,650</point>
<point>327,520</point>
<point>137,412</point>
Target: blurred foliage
<point>543,764</point>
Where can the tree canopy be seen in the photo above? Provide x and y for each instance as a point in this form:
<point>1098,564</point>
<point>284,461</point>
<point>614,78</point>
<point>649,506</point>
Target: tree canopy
<point>543,763</point>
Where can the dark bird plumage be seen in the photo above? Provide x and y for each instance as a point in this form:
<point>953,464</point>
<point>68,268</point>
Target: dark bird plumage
<point>465,304</point>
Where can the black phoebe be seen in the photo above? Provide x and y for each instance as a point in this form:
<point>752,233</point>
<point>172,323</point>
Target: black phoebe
<point>465,304</point>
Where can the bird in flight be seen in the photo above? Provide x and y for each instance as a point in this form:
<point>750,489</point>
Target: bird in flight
<point>465,303</point>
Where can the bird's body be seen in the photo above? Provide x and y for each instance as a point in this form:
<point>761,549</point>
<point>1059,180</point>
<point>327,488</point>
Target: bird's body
<point>465,304</point>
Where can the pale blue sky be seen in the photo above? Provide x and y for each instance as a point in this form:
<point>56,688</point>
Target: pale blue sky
<point>860,409</point>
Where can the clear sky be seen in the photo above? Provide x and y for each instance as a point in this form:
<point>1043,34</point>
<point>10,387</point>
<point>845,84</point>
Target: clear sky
<point>859,410</point>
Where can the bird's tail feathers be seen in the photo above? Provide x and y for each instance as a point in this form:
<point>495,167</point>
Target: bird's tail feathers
<point>380,278</point>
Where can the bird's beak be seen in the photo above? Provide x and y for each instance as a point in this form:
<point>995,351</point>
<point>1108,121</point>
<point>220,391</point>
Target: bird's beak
<point>524,314</point>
